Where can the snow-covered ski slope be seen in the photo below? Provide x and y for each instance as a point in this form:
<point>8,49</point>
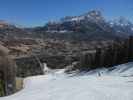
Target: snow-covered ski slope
<point>113,84</point>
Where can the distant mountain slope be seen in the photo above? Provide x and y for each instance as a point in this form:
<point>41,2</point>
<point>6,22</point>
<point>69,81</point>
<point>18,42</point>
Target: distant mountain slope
<point>88,26</point>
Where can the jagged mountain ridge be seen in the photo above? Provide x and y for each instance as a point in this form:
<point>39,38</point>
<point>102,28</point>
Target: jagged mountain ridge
<point>90,25</point>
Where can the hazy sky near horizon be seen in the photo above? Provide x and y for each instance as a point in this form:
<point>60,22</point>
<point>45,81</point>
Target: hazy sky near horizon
<point>38,12</point>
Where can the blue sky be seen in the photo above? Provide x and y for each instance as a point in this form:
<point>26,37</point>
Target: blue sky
<point>38,12</point>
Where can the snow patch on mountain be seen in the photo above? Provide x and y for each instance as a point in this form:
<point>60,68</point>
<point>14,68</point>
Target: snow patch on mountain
<point>93,15</point>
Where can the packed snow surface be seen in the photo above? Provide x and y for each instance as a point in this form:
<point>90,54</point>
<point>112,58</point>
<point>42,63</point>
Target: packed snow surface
<point>101,84</point>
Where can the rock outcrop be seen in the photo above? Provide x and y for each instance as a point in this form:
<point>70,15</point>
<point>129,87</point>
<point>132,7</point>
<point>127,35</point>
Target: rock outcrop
<point>7,73</point>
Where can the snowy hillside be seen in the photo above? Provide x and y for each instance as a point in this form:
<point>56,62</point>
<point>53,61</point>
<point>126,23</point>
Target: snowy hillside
<point>113,84</point>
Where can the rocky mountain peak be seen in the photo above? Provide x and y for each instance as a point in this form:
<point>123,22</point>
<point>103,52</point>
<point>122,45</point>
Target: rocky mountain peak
<point>3,23</point>
<point>93,15</point>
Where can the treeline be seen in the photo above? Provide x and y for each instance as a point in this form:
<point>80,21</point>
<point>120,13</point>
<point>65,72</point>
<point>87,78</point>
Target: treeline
<point>114,54</point>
